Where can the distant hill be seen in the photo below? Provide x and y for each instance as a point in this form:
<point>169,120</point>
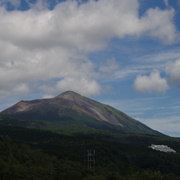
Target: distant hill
<point>71,112</point>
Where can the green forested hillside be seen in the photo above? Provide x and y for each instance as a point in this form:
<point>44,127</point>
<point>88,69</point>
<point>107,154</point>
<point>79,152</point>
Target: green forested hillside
<point>34,154</point>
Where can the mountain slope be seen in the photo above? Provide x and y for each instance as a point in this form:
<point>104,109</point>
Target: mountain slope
<point>72,112</point>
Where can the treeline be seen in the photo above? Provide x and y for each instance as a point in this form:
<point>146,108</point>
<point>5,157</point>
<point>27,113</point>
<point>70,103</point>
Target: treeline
<point>33,154</point>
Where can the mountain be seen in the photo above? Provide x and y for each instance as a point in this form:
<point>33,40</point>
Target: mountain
<point>71,112</point>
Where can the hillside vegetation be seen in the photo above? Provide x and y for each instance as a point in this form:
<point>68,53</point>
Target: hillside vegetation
<point>35,154</point>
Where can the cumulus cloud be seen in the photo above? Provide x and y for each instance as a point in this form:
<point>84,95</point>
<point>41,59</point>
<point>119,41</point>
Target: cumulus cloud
<point>40,45</point>
<point>87,27</point>
<point>84,86</point>
<point>151,83</point>
<point>42,66</point>
<point>173,69</point>
<point>156,23</point>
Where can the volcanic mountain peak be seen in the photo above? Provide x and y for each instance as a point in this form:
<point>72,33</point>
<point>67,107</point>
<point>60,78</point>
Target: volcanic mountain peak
<point>71,109</point>
<point>89,107</point>
<point>69,95</point>
<point>78,99</point>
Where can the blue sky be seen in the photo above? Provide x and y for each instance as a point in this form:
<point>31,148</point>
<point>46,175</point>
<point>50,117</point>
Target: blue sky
<point>125,53</point>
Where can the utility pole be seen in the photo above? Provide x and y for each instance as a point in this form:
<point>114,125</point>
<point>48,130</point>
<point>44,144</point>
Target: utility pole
<point>89,158</point>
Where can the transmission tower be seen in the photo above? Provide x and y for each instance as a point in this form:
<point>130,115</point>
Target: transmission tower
<point>89,158</point>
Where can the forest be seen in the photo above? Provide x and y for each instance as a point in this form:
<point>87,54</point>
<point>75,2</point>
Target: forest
<point>39,154</point>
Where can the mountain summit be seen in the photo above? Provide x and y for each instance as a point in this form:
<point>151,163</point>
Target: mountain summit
<point>70,111</point>
<point>90,107</point>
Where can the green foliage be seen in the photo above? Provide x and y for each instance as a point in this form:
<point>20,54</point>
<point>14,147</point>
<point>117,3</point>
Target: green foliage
<point>35,154</point>
<point>22,162</point>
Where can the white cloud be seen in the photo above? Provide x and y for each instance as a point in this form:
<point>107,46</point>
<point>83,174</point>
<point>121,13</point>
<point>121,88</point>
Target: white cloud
<point>173,69</point>
<point>40,67</point>
<point>82,85</point>
<point>87,86</point>
<point>156,22</point>
<point>40,45</point>
<point>152,83</point>
<point>87,27</point>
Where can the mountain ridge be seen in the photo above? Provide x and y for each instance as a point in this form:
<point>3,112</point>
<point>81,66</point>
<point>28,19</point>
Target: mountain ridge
<point>72,109</point>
